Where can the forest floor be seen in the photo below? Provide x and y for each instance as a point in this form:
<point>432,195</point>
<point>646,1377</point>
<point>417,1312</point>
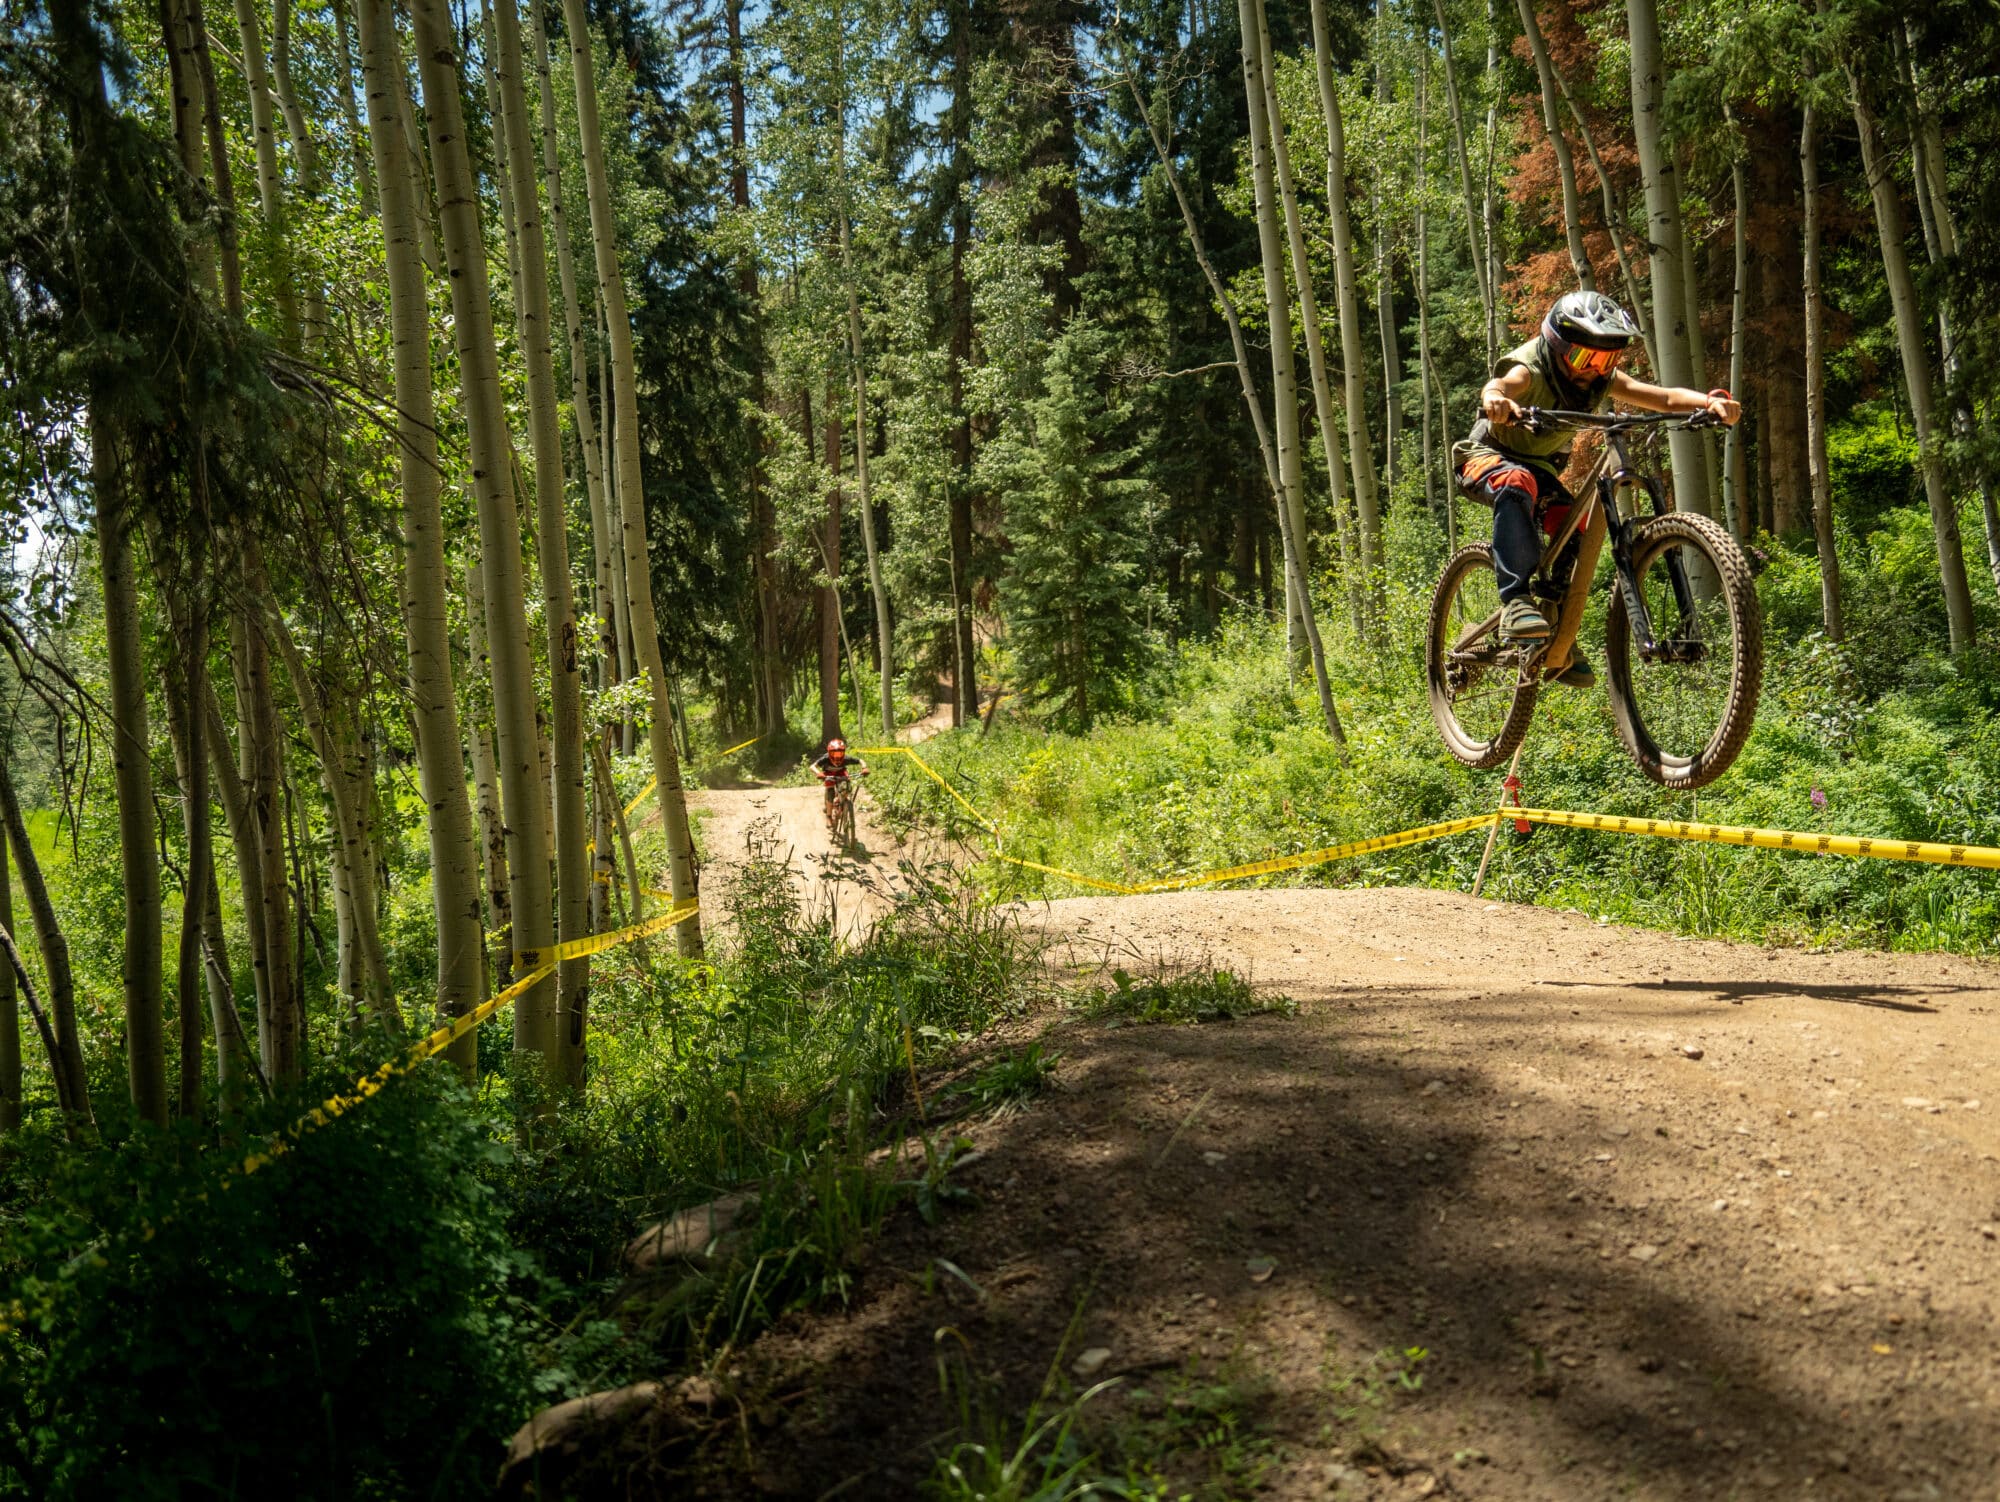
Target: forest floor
<point>1514,1205</point>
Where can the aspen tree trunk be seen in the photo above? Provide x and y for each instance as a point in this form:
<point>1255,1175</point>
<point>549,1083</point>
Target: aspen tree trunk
<point>614,513</point>
<point>1385,291</point>
<point>631,489</point>
<point>10,1013</point>
<point>420,180</point>
<point>303,150</point>
<point>199,870</point>
<point>485,779</point>
<point>184,87</point>
<point>280,1028</point>
<point>138,847</point>
<point>270,180</point>
<point>615,813</point>
<point>556,1032</point>
<point>1360,450</point>
<point>503,175</point>
<point>1480,267</point>
<point>1941,243</point>
<point>1822,488</point>
<point>1281,156</point>
<point>1425,373</point>
<point>829,596</point>
<point>434,704</point>
<point>1487,205</point>
<point>1579,258</point>
<point>329,720</point>
<point>769,674</point>
<point>884,641</point>
<point>959,121</point>
<point>492,477</point>
<point>581,414</point>
<point>1264,129</point>
<point>364,169</point>
<point>193,727</point>
<point>1698,360</point>
<point>66,1062</point>
<point>1674,363</point>
<point>1614,225</point>
<point>1890,229</point>
<point>1739,297</point>
<point>1246,375</point>
<point>220,183</point>
<point>243,832</point>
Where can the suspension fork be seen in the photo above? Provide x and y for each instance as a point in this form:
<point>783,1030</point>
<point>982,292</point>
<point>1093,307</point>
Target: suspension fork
<point>1620,473</point>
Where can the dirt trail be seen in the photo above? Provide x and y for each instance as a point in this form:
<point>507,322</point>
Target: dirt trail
<point>1668,1220</point>
<point>789,824</point>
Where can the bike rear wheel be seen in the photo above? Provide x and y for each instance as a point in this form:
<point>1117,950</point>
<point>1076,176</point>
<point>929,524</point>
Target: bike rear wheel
<point>1479,700</point>
<point>1685,707</point>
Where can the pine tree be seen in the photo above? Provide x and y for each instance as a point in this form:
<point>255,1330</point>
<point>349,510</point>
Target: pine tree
<point>1077,599</point>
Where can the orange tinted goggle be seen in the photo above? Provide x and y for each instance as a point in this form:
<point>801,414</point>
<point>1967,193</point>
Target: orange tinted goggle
<point>1594,363</point>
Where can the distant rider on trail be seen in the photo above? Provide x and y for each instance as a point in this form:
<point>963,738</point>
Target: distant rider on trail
<point>1572,365</point>
<point>834,769</point>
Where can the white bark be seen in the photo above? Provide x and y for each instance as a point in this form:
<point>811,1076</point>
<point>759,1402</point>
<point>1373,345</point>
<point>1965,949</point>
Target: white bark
<point>492,480</point>
<point>1674,362</point>
<point>1822,490</point>
<point>1565,164</point>
<point>557,1034</point>
<point>1890,229</point>
<point>1360,449</point>
<point>631,489</point>
<point>427,635</point>
<point>1264,129</point>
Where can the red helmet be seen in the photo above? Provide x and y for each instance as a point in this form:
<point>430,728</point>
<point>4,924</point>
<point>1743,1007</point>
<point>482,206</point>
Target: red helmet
<point>836,748</point>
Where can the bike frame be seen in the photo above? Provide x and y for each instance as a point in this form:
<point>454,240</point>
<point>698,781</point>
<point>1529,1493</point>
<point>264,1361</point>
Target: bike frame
<point>1594,517</point>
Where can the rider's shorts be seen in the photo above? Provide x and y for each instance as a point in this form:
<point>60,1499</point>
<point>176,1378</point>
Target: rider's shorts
<point>1486,478</point>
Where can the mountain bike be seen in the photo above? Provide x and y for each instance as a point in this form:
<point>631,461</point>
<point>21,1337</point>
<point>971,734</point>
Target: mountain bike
<point>1684,632</point>
<point>840,811</point>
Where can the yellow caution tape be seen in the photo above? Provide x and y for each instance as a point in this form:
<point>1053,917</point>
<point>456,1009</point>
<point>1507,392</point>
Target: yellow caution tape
<point>652,782</point>
<point>437,1042</point>
<point>642,795</point>
<point>1396,841</point>
<point>1076,876</point>
<point>1981,857</point>
<point>1264,867</point>
<point>1984,857</point>
<point>929,771</point>
<point>576,949</point>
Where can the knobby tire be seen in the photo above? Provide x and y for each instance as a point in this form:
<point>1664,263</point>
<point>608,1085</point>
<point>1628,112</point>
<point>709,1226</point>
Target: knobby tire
<point>1651,538</point>
<point>1464,745</point>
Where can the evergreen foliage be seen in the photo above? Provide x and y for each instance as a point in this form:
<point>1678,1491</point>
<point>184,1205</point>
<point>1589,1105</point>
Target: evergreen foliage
<point>1077,599</point>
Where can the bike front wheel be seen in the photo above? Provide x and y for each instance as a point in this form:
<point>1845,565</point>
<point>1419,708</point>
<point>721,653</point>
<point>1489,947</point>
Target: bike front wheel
<point>1480,699</point>
<point>1685,702</point>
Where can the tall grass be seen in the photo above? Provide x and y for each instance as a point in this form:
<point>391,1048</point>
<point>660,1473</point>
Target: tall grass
<point>1881,737</point>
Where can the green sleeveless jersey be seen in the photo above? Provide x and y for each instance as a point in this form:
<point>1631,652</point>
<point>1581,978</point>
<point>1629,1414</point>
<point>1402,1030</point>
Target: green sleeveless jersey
<point>1548,452</point>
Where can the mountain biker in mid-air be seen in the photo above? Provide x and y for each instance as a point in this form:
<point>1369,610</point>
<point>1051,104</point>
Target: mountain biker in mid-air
<point>835,769</point>
<point>1572,365</point>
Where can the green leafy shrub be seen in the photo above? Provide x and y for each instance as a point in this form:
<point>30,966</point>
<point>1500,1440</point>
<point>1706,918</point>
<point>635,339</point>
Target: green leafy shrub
<point>339,1324</point>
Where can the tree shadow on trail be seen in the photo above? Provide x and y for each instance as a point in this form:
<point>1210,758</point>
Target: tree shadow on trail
<point>1860,996</point>
<point>1268,1204</point>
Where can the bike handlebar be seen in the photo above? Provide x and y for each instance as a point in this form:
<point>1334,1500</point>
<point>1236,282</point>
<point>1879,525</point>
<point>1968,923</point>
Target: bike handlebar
<point>1550,420</point>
